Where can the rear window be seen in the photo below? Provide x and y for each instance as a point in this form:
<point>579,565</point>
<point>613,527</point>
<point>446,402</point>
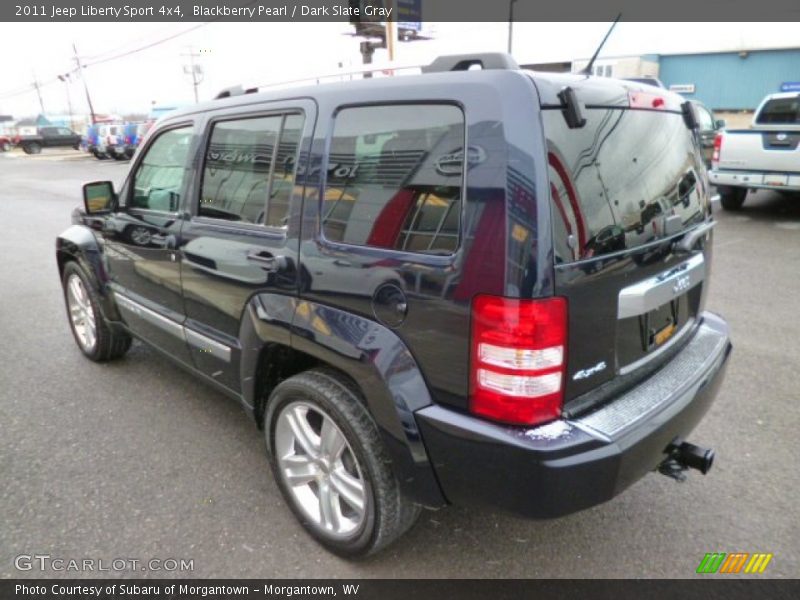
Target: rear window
<point>780,111</point>
<point>614,182</point>
<point>394,178</point>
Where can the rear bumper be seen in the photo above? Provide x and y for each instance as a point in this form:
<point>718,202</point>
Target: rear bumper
<point>573,464</point>
<point>755,179</point>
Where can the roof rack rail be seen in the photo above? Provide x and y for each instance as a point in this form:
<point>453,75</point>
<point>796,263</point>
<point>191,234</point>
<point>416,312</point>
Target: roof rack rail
<point>456,62</point>
<point>236,90</point>
<point>463,62</point>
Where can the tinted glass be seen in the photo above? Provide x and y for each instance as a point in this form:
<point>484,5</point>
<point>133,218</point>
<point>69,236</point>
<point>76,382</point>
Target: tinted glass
<point>780,111</point>
<point>236,178</point>
<point>394,178</point>
<point>158,182</point>
<point>614,182</point>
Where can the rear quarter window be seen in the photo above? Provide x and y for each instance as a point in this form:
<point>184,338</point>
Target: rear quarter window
<point>395,178</point>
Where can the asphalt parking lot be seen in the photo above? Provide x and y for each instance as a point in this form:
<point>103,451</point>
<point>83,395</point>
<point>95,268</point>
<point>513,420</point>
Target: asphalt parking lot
<point>136,459</point>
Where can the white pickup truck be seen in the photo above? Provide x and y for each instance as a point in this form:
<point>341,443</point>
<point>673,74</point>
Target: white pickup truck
<point>766,156</point>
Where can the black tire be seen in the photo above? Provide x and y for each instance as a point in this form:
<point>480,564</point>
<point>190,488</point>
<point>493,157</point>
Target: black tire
<point>109,344</point>
<point>732,198</point>
<point>388,514</point>
<point>119,156</point>
<point>32,148</point>
<point>98,155</point>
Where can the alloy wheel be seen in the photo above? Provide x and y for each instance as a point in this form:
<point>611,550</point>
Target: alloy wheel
<point>81,313</point>
<point>320,470</point>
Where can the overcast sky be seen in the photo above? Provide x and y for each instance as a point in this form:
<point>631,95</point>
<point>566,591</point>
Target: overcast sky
<point>259,53</point>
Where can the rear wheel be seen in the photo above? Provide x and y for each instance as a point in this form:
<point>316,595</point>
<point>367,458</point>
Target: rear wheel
<point>93,334</point>
<point>331,466</point>
<point>732,198</point>
<point>32,148</point>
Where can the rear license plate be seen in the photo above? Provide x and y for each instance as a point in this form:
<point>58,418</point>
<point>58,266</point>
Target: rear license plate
<point>776,180</point>
<point>659,325</point>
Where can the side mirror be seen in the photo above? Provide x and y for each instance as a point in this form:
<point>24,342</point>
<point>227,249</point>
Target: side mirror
<point>719,124</point>
<point>98,197</point>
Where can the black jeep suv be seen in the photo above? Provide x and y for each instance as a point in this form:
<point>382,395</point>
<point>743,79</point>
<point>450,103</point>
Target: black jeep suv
<point>478,287</point>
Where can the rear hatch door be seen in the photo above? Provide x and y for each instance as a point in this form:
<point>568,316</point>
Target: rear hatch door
<point>625,190</point>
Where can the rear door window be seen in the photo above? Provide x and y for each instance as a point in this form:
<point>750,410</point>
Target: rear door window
<point>248,174</point>
<point>615,182</point>
<point>395,178</point>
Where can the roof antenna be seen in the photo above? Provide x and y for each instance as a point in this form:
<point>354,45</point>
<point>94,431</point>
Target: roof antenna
<point>588,68</point>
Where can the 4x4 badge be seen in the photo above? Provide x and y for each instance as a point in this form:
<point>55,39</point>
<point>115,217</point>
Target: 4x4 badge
<point>586,373</point>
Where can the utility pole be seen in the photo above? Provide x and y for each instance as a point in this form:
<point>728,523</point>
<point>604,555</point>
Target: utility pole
<point>38,92</point>
<point>85,87</point>
<point>66,79</point>
<point>194,71</point>
<point>391,31</point>
<point>511,24</point>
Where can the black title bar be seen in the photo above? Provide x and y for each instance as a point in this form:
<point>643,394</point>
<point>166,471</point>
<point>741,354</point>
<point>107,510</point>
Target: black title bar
<point>401,10</point>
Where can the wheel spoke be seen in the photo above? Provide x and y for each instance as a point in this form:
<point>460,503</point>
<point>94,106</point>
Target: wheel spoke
<point>350,489</point>
<point>301,429</point>
<point>88,332</point>
<point>332,442</point>
<point>77,292</point>
<point>329,515</point>
<point>299,469</point>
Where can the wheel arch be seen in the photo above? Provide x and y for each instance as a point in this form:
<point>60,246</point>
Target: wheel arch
<point>283,335</point>
<point>79,244</point>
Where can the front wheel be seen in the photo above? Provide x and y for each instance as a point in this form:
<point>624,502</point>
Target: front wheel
<point>93,334</point>
<point>732,198</point>
<point>5,146</point>
<point>33,148</point>
<point>331,466</point>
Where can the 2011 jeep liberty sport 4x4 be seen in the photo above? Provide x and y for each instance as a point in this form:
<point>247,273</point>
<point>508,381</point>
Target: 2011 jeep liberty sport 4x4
<point>477,287</point>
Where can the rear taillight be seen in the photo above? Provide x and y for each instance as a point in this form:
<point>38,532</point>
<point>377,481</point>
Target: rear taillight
<point>717,148</point>
<point>518,359</point>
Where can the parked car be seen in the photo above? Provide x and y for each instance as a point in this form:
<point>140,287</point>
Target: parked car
<point>90,141</point>
<point>517,324</point>
<point>48,137</point>
<point>707,128</point>
<point>110,141</point>
<point>766,156</point>
<point>133,133</point>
